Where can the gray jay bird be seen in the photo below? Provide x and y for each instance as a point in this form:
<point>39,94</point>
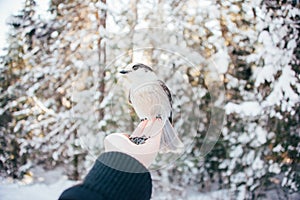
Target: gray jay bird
<point>152,100</point>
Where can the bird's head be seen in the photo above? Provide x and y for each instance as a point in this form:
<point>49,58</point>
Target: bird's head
<point>139,73</point>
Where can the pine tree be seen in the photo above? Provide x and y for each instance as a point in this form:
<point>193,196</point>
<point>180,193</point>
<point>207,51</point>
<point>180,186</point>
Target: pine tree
<point>60,94</point>
<point>59,88</point>
<point>277,88</point>
<point>13,67</point>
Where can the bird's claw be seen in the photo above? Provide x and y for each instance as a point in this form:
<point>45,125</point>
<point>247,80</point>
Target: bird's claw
<point>158,117</point>
<point>144,119</point>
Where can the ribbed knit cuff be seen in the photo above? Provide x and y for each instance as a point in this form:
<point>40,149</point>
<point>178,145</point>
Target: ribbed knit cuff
<point>118,176</point>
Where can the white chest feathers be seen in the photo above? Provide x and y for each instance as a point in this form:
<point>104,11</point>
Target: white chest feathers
<point>150,100</point>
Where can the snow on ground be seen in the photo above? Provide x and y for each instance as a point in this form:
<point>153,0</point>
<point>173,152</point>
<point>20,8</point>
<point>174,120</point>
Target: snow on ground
<point>51,191</point>
<point>38,191</point>
<point>48,185</point>
<point>40,184</point>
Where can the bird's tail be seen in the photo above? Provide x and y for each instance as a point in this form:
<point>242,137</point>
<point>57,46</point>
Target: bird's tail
<point>170,141</point>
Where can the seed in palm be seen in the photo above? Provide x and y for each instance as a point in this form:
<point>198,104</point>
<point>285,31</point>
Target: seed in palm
<point>138,140</point>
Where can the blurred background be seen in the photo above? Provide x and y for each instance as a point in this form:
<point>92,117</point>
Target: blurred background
<point>232,67</point>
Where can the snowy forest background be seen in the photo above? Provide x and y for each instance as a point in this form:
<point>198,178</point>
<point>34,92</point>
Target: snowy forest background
<point>232,66</point>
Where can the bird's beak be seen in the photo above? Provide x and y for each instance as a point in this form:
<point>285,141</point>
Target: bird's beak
<point>124,71</point>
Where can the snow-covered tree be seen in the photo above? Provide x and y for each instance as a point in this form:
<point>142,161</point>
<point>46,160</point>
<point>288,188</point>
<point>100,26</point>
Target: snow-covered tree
<point>61,88</point>
<point>228,33</point>
<point>262,86</point>
<point>13,67</point>
<point>62,94</point>
<point>277,88</point>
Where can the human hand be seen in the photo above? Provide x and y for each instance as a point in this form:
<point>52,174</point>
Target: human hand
<point>146,151</point>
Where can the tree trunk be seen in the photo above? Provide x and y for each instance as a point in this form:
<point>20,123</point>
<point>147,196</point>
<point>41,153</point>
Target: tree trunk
<point>102,58</point>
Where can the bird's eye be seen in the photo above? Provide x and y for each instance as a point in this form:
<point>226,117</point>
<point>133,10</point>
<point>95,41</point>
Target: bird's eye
<point>135,67</point>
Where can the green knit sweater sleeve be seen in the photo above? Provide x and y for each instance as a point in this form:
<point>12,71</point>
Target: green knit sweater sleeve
<point>114,176</point>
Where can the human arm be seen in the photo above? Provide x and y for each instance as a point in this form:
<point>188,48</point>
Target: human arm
<point>114,176</point>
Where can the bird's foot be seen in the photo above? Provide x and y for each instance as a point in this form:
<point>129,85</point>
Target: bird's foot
<point>138,132</point>
<point>158,117</point>
<point>144,119</point>
<point>154,127</point>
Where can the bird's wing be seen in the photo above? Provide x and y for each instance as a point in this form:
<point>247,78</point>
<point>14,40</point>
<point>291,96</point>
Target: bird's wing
<point>167,91</point>
<point>129,97</point>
